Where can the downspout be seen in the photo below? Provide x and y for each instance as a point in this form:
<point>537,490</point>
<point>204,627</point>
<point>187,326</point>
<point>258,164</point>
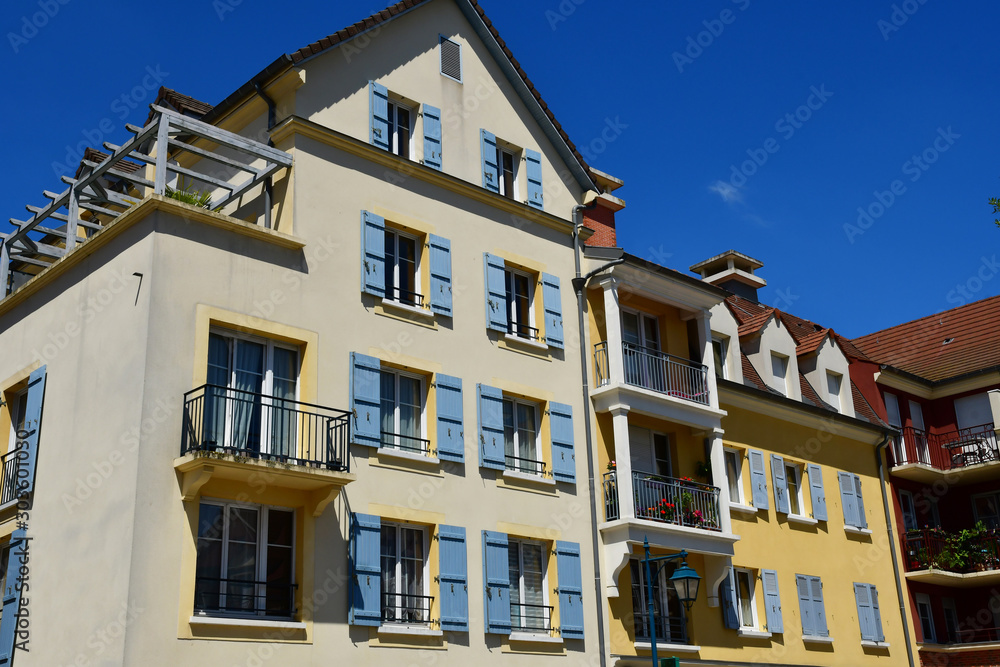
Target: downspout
<point>892,544</point>
<point>579,282</point>
<point>272,119</point>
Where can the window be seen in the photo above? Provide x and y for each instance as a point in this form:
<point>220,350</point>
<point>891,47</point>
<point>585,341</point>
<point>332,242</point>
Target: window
<point>18,409</point>
<point>793,482</point>
<point>893,417</point>
<point>950,619</point>
<point>719,347</point>
<point>934,513</point>
<point>507,161</point>
<point>852,501</point>
<point>402,268</point>
<point>246,560</point>
<point>811,607</point>
<point>908,510</point>
<point>746,604</point>
<point>520,297</point>
<point>987,509</point>
<point>644,364</point>
<point>402,411</point>
<point>869,615</point>
<point>734,474</point>
<point>404,576</point>
<point>668,612</point>
<point>451,59</point>
<point>926,616</point>
<point>526,564</point>
<point>649,452</point>
<point>779,369</point>
<point>400,129</point>
<point>833,382</point>
<point>250,403</point>
<point>520,429</point>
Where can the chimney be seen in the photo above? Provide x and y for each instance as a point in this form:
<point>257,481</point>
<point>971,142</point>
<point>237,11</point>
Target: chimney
<point>732,271</point>
<point>601,216</point>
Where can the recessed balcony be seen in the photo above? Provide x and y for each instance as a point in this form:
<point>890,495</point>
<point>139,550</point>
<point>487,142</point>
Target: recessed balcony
<point>952,559</point>
<point>971,454</point>
<point>241,436</point>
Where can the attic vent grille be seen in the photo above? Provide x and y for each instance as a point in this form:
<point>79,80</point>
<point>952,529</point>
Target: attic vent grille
<point>451,59</point>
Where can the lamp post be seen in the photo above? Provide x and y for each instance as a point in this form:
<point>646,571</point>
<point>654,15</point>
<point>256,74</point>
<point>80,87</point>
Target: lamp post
<point>684,580</point>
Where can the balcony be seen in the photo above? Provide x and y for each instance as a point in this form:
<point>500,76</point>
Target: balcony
<point>669,630</point>
<point>681,502</point>
<point>657,371</point>
<point>10,463</point>
<point>406,609</point>
<point>971,453</point>
<point>966,558</point>
<point>235,435</point>
<point>237,597</point>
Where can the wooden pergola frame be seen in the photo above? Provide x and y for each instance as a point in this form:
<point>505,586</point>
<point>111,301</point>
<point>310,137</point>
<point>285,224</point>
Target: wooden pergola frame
<point>172,134</point>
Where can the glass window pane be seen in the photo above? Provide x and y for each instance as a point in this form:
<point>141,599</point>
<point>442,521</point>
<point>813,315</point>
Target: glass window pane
<point>388,393</point>
<point>630,328</point>
<point>508,428</point>
<point>218,360</point>
<point>280,527</point>
<point>733,475</point>
<point>651,332</point>
<point>403,130</point>
<point>745,593</point>
<point>243,524</point>
<point>210,521</point>
<point>792,479</point>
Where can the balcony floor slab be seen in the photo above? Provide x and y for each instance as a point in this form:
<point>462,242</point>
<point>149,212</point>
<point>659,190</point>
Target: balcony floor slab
<point>655,404</point>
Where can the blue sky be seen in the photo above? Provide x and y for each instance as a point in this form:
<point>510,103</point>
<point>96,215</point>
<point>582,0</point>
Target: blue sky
<point>763,127</point>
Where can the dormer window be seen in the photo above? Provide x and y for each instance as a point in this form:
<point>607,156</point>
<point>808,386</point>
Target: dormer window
<point>779,369</point>
<point>834,381</point>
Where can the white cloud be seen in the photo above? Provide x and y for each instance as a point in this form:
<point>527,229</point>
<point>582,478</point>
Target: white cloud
<point>727,191</point>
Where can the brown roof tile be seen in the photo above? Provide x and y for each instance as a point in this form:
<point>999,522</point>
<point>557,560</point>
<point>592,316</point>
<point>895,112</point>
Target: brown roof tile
<point>182,103</point>
<point>862,408</point>
<point>754,324</point>
<point>751,377</point>
<point>920,348</point>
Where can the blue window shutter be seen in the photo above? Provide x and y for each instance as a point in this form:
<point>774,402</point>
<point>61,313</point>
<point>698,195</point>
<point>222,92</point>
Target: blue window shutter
<point>561,428</point>
<point>866,619</point>
<point>772,601</point>
<point>819,616</point>
<point>33,426</point>
<point>818,492</point>
<point>366,400</point>
<point>758,479</point>
<point>877,615</point>
<point>432,137</point>
<point>496,575</point>
<point>11,600</point>
<point>372,254</point>
<point>366,572</point>
<point>379,103</point>
<point>860,503</point>
<point>491,436</point>
<point>491,168</point>
<point>806,609</point>
<point>496,292</point>
<point>847,498</point>
<point>552,303</point>
<point>728,600</point>
<point>454,579</point>
<point>534,169</point>
<point>780,484</point>
<point>440,250</point>
<point>450,427</point>
<point>570,590</point>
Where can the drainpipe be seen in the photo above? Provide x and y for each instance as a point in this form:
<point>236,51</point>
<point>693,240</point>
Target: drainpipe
<point>272,114</point>
<point>892,544</point>
<point>579,282</point>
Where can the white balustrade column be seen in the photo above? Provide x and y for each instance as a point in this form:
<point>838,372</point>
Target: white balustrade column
<point>719,479</point>
<point>708,357</point>
<point>613,327</point>
<point>623,461</point>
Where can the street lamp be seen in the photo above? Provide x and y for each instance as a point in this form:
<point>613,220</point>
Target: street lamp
<point>684,580</point>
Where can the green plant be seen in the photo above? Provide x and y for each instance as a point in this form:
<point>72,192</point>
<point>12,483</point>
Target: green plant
<point>189,196</point>
<point>703,470</point>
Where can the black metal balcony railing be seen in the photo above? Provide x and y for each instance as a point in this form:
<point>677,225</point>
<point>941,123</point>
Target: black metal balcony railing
<point>682,502</point>
<point>215,596</point>
<point>953,552</point>
<point>668,630</point>
<point>405,608</point>
<point>529,466</point>
<point>10,463</point>
<point>947,450</point>
<point>657,371</point>
<point>523,331</point>
<point>242,423</point>
<point>530,617</point>
<point>406,443</point>
<point>405,297</point>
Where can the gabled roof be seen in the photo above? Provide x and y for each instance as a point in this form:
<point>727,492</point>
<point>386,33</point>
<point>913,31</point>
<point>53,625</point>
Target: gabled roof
<point>754,324</point>
<point>181,103</point>
<point>750,315</point>
<point>938,347</point>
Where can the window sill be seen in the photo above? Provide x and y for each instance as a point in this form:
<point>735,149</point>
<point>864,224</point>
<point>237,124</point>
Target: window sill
<point>815,639</point>
<point>870,644</point>
<point>742,509</point>
<point>534,638</point>
<point>804,520</point>
<point>405,308</point>
<point>235,621</point>
<point>409,630</point>
<point>854,530</point>
<point>753,634</point>
<point>668,648</point>
<point>390,452</point>
<point>514,475</point>
<point>526,342</point>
